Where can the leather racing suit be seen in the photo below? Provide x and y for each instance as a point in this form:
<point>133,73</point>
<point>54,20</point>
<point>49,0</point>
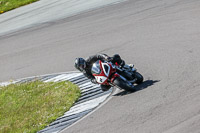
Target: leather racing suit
<point>103,57</point>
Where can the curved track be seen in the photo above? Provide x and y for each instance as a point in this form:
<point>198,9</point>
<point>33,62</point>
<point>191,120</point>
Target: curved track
<point>160,37</point>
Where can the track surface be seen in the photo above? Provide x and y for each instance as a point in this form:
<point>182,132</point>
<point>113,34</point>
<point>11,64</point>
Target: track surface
<point>160,37</point>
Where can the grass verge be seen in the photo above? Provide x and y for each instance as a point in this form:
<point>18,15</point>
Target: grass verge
<point>29,107</point>
<point>7,5</point>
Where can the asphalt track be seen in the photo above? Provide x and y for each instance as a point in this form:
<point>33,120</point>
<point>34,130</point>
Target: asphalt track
<point>160,37</point>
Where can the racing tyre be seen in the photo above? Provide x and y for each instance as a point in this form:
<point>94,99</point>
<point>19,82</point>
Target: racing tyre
<point>139,78</point>
<point>123,84</point>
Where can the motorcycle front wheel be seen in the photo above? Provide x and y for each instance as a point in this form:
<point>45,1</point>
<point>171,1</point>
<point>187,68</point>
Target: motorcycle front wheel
<point>139,78</point>
<point>123,84</point>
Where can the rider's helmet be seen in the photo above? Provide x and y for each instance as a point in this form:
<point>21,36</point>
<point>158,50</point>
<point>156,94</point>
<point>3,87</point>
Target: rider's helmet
<point>80,64</point>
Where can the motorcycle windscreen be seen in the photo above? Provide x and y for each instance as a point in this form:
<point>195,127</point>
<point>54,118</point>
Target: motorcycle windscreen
<point>96,68</point>
<point>106,69</point>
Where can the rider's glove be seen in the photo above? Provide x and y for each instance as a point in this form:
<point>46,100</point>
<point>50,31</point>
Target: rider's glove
<point>109,58</point>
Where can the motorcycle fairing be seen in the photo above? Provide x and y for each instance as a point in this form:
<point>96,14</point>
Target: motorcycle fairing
<point>101,72</point>
<point>101,79</point>
<point>106,69</point>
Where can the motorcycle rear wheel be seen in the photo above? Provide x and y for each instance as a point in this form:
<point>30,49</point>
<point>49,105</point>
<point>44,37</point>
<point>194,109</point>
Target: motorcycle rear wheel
<point>123,84</point>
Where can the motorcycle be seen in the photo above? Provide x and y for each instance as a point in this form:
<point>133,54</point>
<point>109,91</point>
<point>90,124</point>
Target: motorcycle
<point>107,73</point>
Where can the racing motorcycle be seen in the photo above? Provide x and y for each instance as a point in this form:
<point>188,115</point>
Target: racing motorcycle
<point>125,77</point>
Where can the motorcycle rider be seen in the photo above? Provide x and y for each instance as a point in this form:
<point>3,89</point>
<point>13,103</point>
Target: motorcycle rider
<point>86,65</point>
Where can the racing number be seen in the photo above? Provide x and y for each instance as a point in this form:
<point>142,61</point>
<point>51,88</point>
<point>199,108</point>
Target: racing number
<point>100,79</point>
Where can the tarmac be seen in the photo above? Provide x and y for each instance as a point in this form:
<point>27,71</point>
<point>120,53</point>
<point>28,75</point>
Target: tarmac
<point>160,37</point>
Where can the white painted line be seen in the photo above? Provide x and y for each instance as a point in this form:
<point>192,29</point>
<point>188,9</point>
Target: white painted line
<point>7,83</point>
<point>86,105</point>
<point>63,77</point>
<point>88,88</point>
<point>85,84</point>
<point>89,103</point>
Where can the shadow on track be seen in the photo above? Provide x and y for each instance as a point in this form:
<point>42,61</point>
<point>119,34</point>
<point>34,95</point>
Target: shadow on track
<point>142,86</point>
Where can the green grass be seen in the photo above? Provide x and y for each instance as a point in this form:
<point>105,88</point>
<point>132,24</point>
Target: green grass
<point>7,5</point>
<point>29,107</point>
